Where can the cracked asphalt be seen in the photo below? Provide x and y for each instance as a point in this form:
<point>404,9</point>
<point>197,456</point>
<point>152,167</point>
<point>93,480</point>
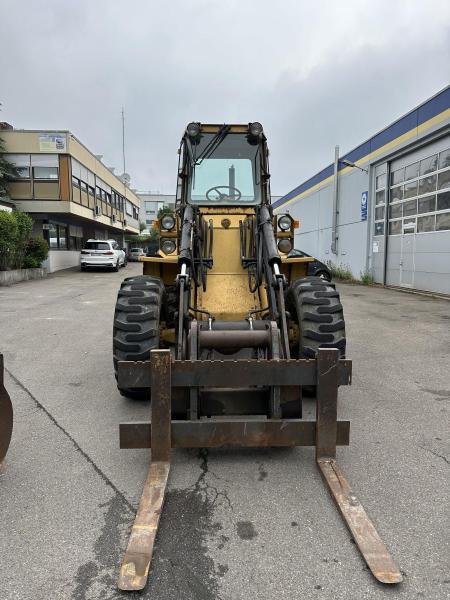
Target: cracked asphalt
<point>237,524</point>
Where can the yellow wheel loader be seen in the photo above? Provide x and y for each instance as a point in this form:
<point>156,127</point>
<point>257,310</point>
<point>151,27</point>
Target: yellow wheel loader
<point>223,331</point>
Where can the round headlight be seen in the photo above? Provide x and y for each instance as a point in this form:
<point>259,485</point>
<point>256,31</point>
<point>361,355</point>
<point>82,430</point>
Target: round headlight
<point>284,222</point>
<point>167,222</point>
<point>285,245</point>
<point>193,129</point>
<point>255,129</point>
<point>168,246</point>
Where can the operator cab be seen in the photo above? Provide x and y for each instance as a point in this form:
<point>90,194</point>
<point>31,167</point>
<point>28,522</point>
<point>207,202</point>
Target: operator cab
<point>225,167</point>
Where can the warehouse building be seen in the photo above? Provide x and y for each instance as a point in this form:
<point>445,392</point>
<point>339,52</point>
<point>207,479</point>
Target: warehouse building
<point>384,207</point>
<point>68,191</point>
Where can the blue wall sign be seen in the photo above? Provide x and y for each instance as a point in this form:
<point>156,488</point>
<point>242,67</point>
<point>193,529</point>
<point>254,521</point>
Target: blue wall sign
<point>364,202</point>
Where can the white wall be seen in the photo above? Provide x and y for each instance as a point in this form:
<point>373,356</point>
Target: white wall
<point>315,213</point>
<point>61,259</point>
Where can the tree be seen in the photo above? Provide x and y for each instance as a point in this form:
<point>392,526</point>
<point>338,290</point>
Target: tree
<point>163,211</point>
<point>154,234</point>
<point>7,170</point>
<point>142,226</point>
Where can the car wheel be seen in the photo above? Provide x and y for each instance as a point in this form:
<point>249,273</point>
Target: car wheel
<point>116,268</point>
<point>323,275</point>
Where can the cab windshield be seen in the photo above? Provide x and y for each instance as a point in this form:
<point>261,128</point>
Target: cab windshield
<point>224,171</point>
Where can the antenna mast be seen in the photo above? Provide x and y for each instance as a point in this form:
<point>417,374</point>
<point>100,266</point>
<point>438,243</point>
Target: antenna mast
<point>123,139</point>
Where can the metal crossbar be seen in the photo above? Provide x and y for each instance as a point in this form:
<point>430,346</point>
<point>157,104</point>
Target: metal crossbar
<point>231,373</point>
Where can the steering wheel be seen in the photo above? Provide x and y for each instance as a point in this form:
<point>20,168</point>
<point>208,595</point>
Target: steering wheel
<point>221,197</point>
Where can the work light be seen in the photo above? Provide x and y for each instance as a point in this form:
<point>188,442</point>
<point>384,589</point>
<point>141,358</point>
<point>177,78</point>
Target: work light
<point>193,129</point>
<point>168,246</point>
<point>255,129</point>
<point>285,222</point>
<point>167,222</point>
<point>285,245</point>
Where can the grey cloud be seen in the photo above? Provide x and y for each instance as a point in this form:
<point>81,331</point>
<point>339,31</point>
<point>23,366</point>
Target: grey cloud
<point>315,74</point>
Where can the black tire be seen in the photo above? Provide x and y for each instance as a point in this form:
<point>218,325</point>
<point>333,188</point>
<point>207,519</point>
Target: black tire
<point>315,306</point>
<point>136,323</point>
<point>116,268</point>
<point>82,268</point>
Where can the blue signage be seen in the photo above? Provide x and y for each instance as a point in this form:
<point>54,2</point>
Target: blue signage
<point>364,202</point>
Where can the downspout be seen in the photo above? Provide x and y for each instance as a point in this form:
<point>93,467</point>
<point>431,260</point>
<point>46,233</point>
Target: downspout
<point>334,236</point>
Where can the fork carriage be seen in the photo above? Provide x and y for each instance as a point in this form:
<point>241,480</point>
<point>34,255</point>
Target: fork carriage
<point>161,434</point>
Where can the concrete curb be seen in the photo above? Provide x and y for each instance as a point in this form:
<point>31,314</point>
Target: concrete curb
<point>18,275</point>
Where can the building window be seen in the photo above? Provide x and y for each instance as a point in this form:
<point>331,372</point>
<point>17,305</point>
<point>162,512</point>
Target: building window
<point>52,236</point>
<point>62,234</point>
<point>395,211</point>
<point>428,165</point>
<point>444,180</point>
<point>426,204</point>
<point>395,227</point>
<point>57,236</point>
<point>23,172</point>
<point>417,196</point>
<point>45,172</point>
<point>409,226</point>
<point>379,213</point>
<point>22,164</point>
<point>442,221</point>
<point>409,208</point>
<point>381,181</point>
<point>380,203</point>
<point>379,228</point>
<point>444,159</point>
<point>443,201</point>
<point>425,223</point>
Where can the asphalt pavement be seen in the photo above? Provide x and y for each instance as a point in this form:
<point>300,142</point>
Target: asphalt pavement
<point>237,524</point>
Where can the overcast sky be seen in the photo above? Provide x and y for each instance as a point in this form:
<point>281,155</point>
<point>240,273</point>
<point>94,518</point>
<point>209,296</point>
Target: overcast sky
<point>315,74</point>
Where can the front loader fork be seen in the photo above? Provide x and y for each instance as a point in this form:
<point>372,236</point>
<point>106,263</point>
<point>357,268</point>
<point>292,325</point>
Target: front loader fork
<point>161,434</point>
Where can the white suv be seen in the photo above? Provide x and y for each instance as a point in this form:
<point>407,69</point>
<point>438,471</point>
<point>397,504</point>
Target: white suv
<point>102,253</point>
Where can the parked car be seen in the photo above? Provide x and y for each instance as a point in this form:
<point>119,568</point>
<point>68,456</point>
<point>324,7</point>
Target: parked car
<point>317,268</point>
<point>102,253</point>
<point>135,253</point>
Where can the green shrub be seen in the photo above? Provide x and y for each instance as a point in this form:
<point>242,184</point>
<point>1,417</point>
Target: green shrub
<point>8,236</point>
<point>24,229</point>
<point>36,251</point>
<point>15,231</point>
<point>366,278</point>
<point>340,271</point>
